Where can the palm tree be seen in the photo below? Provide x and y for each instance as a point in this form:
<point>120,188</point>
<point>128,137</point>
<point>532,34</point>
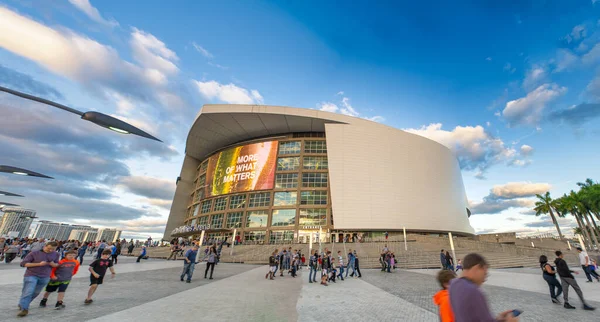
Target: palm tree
<point>569,205</point>
<point>544,206</point>
<point>583,212</point>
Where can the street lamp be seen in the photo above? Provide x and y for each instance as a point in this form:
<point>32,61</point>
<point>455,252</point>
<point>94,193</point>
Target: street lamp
<point>22,172</point>
<point>98,118</point>
<point>9,194</point>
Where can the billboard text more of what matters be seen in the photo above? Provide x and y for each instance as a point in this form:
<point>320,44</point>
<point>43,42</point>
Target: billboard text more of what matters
<point>243,168</point>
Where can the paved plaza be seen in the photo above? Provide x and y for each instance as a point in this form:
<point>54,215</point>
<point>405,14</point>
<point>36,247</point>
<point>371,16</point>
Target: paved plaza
<point>151,291</point>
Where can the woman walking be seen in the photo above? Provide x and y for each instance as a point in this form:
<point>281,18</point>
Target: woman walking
<point>210,262</point>
<point>549,274</point>
<point>449,261</point>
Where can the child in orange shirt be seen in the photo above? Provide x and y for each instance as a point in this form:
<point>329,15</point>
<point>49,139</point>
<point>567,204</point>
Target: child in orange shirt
<point>60,277</point>
<point>442,298</point>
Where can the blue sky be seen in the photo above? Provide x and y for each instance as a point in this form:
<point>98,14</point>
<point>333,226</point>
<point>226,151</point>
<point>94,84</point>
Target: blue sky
<point>512,88</point>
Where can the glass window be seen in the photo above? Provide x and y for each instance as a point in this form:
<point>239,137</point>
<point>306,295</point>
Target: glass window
<point>220,203</point>
<point>197,196</point>
<point>216,221</point>
<point>315,163</point>
<point>256,219</point>
<point>201,187</point>
<point>206,206</point>
<point>203,221</point>
<point>279,236</point>
<point>283,217</point>
<point>203,166</point>
<point>193,222</point>
<point>287,198</point>
<point>313,197</point>
<point>288,164</point>
<point>237,202</point>
<point>313,217</point>
<point>314,180</point>
<point>234,219</point>
<point>196,210</point>
<point>315,147</point>
<point>255,235</point>
<point>289,147</point>
<point>286,180</point>
<point>262,199</point>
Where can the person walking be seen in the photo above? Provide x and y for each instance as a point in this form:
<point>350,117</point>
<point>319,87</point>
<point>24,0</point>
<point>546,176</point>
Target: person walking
<point>142,254</point>
<point>341,264</point>
<point>61,278</point>
<point>97,271</point>
<point>272,265</point>
<point>356,264</point>
<point>174,249</point>
<point>312,263</point>
<point>567,279</point>
<point>467,299</point>
<point>130,248</point>
<point>81,252</point>
<point>11,251</point>
<point>351,261</point>
<point>549,275</point>
<point>210,262</point>
<point>189,263</point>
<point>39,266</point>
<point>449,261</point>
<point>584,261</point>
<point>443,259</point>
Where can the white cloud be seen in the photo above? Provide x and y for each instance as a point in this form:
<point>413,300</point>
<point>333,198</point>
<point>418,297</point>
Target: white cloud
<point>529,109</point>
<point>474,147</point>
<point>592,56</point>
<point>348,109</point>
<point>534,77</point>
<point>229,93</point>
<point>86,7</point>
<point>327,107</point>
<point>152,53</point>
<point>489,59</point>
<point>201,50</point>
<point>488,124</point>
<point>340,93</point>
<point>526,149</point>
<point>85,60</point>
<point>512,190</point>
<point>565,60</point>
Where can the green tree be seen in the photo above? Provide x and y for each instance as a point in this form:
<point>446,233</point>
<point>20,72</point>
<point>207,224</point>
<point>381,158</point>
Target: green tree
<point>544,206</point>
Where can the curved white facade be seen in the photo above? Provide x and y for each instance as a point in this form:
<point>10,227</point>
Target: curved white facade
<point>380,178</point>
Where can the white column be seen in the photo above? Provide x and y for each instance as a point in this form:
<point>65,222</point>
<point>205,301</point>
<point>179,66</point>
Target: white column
<point>233,242</point>
<point>310,243</point>
<point>452,246</point>
<point>581,242</point>
<point>320,237</point>
<point>404,231</point>
<point>201,238</point>
<point>569,244</point>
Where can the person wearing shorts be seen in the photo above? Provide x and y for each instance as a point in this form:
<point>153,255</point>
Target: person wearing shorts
<point>60,277</point>
<point>98,270</point>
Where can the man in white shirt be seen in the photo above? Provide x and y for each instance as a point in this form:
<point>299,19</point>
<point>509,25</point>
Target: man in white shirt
<point>585,262</point>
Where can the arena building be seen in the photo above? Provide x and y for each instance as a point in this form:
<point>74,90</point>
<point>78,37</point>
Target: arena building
<point>276,174</point>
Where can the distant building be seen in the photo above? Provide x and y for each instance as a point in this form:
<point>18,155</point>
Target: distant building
<point>83,233</point>
<point>52,230</point>
<point>109,234</point>
<point>16,221</point>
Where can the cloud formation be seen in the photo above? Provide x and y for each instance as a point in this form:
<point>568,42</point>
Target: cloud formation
<point>15,79</point>
<point>202,51</point>
<point>576,115</point>
<point>86,7</point>
<point>509,195</point>
<point>475,148</point>
<point>346,108</point>
<point>229,93</point>
<point>153,188</point>
<point>529,110</point>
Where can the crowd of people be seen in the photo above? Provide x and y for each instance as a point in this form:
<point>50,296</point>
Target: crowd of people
<point>330,266</point>
<point>461,299</point>
<point>50,265</point>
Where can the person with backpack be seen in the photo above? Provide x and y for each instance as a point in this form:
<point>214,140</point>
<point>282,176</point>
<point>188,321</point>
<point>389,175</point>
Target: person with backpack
<point>549,275</point>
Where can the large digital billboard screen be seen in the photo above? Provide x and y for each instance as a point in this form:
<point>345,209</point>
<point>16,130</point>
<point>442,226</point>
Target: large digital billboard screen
<point>243,168</point>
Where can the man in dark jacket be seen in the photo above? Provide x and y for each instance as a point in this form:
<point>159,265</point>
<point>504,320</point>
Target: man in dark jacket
<point>443,259</point>
<point>567,279</point>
